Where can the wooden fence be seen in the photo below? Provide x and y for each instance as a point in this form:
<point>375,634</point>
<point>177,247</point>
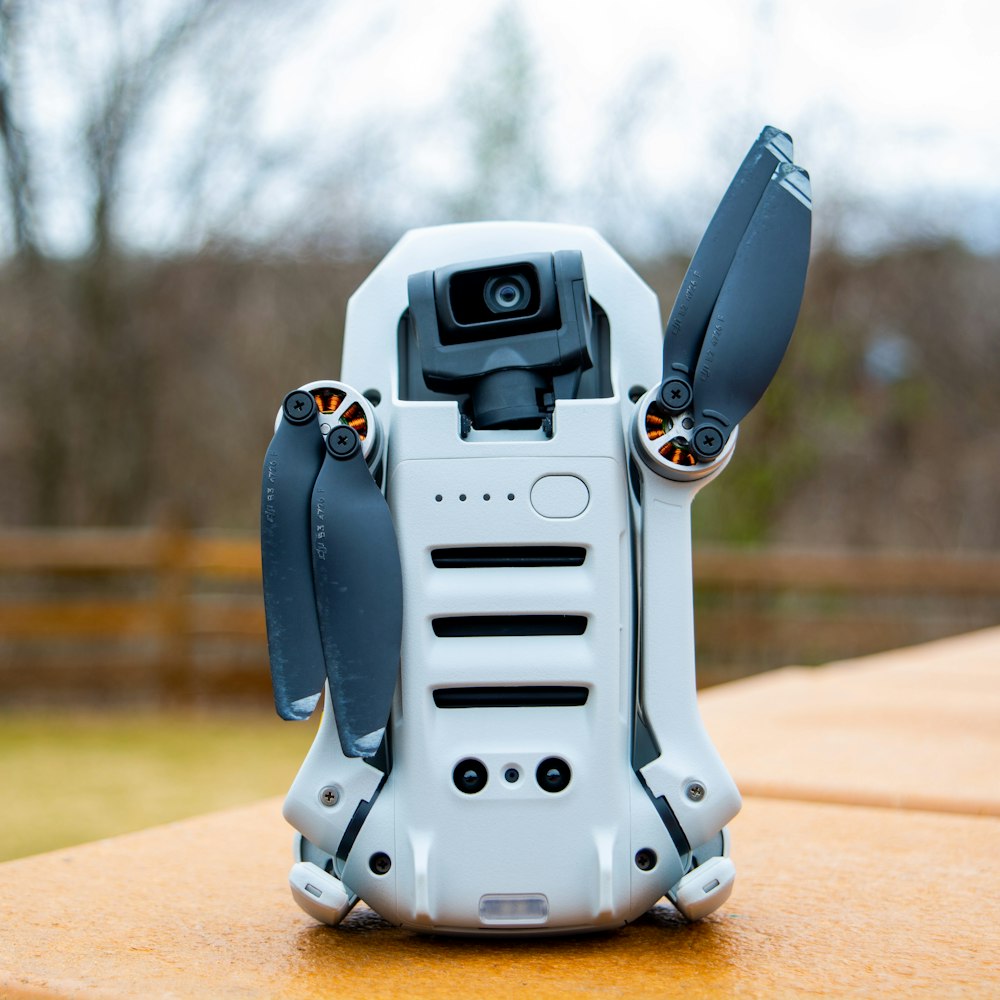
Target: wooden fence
<point>176,617</point>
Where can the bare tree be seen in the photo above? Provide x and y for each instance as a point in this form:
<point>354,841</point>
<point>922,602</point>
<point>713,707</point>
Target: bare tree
<point>82,361</point>
<point>502,108</point>
<point>17,171</point>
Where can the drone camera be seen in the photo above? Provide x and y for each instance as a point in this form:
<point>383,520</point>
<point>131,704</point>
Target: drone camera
<point>491,300</point>
<point>494,302</point>
<point>499,332</point>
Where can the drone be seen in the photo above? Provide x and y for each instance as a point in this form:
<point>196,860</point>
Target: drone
<point>476,551</point>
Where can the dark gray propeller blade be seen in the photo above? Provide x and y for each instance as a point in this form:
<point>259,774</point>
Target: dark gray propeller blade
<point>710,264</point>
<point>755,312</point>
<point>359,592</point>
<point>291,465</point>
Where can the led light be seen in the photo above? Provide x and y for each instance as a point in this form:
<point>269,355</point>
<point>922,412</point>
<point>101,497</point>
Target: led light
<point>503,909</point>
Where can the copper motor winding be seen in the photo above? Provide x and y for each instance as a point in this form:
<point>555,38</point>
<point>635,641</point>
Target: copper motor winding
<point>328,400</point>
<point>676,450</point>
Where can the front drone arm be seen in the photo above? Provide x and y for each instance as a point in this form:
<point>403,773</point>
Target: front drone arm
<point>688,773</point>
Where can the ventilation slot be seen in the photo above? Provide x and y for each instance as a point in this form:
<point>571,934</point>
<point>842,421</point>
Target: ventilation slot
<point>495,556</point>
<point>496,625</point>
<point>510,697</point>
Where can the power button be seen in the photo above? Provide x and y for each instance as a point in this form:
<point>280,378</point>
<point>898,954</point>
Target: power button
<point>560,496</point>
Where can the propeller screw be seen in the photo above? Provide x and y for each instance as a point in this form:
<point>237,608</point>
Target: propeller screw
<point>299,407</point>
<point>675,395</point>
<point>329,796</point>
<point>708,442</point>
<point>695,791</point>
<point>342,442</point>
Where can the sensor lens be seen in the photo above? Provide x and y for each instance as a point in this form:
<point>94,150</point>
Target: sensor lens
<point>506,293</point>
<point>470,776</point>
<point>553,774</point>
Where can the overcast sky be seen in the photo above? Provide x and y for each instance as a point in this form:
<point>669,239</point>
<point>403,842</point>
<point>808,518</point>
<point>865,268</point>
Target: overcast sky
<point>643,109</point>
<point>893,100</point>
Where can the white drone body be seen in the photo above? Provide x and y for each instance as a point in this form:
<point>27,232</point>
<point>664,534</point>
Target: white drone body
<point>544,767</point>
<point>514,856</point>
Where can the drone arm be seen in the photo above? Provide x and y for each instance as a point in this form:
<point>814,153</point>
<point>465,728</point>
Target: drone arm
<point>688,773</point>
<point>328,788</point>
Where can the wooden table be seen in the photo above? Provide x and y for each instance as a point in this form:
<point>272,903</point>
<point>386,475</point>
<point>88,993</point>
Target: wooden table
<point>866,855</point>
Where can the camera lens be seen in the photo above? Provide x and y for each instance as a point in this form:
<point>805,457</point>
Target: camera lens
<point>506,293</point>
<point>553,774</point>
<point>470,776</point>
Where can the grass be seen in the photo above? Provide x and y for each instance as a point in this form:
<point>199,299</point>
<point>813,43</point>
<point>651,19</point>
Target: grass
<point>66,778</point>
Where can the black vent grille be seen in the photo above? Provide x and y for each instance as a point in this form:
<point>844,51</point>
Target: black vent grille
<point>461,626</point>
<point>529,696</point>
<point>498,556</point>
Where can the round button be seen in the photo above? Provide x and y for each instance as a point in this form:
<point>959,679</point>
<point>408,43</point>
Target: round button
<point>560,496</point>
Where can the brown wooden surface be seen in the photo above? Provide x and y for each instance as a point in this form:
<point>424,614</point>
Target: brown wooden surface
<point>914,728</point>
<point>843,888</point>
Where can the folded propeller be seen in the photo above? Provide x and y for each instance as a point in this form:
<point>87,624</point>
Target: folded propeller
<point>737,306</point>
<point>332,578</point>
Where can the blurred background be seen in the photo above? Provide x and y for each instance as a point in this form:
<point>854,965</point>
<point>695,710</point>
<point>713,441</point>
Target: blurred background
<point>191,190</point>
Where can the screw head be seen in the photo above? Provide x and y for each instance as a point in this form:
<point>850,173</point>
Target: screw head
<point>299,407</point>
<point>708,441</point>
<point>675,395</point>
<point>380,863</point>
<point>329,796</point>
<point>645,859</point>
<point>695,791</point>
<point>342,441</point>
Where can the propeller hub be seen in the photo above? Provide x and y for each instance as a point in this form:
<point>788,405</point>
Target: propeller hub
<point>675,395</point>
<point>299,407</point>
<point>667,445</point>
<point>342,441</point>
<point>707,441</point>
